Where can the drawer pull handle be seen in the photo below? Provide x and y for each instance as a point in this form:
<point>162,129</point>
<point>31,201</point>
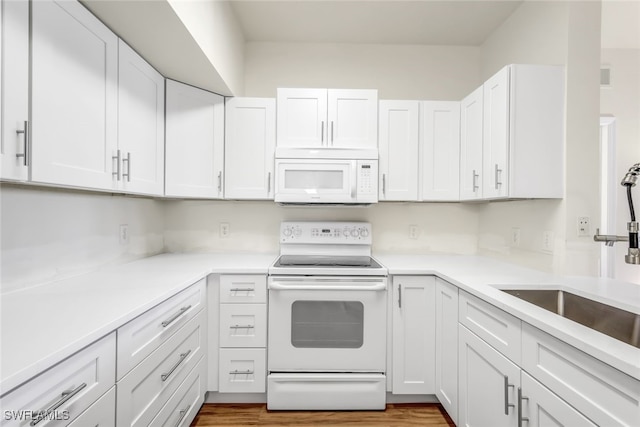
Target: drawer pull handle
<point>507,386</point>
<point>242,327</point>
<point>173,318</point>
<point>183,413</point>
<point>64,397</point>
<point>521,419</point>
<point>174,367</point>
<point>247,372</point>
<point>242,289</point>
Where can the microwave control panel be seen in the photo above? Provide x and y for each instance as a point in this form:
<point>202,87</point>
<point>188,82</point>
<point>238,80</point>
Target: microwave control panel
<point>367,178</point>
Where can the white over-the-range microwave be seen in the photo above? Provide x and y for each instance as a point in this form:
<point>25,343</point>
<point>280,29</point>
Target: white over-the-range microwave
<point>326,176</point>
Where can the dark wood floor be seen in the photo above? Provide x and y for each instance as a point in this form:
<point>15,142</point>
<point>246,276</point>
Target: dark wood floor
<point>408,414</point>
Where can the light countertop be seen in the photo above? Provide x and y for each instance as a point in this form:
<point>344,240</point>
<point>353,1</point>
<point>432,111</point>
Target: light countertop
<point>40,326</point>
<point>483,277</point>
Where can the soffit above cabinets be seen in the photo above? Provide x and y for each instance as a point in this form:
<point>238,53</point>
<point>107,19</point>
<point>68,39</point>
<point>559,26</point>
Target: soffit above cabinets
<point>428,22</point>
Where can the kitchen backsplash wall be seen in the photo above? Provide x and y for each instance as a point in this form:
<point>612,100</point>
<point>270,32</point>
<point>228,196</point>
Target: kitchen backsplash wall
<point>254,226</point>
<point>50,234</point>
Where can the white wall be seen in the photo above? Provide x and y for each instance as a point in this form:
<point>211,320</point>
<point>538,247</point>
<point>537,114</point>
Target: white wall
<point>622,100</point>
<point>50,234</point>
<point>397,71</point>
<point>255,226</point>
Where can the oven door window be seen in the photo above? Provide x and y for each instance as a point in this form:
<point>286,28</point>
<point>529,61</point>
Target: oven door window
<point>327,324</point>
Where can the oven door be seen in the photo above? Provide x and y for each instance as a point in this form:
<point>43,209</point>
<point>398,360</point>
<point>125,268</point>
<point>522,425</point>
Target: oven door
<point>327,324</point>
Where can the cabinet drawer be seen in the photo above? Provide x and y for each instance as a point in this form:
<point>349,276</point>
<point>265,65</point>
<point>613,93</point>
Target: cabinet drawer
<point>498,328</point>
<point>100,414</point>
<point>145,390</point>
<point>140,337</point>
<point>185,403</point>
<point>243,288</point>
<point>242,370</point>
<point>88,374</point>
<point>602,393</point>
<point>243,325</point>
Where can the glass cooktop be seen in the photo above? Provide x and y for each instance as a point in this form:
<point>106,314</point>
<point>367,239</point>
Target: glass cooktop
<point>326,261</point>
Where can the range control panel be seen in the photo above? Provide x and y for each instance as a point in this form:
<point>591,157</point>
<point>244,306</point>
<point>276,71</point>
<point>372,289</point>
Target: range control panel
<point>326,232</point>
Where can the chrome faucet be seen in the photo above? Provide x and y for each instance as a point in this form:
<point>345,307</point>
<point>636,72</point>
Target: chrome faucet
<point>633,254</point>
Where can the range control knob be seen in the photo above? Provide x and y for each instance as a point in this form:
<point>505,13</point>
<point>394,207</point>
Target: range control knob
<point>364,232</point>
<point>345,232</point>
<point>355,232</point>
<point>286,232</point>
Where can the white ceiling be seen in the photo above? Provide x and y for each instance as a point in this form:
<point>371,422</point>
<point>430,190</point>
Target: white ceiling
<point>429,22</point>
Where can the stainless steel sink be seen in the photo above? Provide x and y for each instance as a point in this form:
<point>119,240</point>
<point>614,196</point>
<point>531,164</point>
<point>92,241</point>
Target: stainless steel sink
<point>614,322</point>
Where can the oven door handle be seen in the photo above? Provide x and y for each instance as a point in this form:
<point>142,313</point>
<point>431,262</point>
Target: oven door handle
<point>298,287</point>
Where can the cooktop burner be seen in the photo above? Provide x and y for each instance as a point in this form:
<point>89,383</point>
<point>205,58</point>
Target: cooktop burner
<point>326,261</point>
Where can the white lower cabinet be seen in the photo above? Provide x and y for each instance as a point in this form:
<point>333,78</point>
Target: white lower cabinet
<point>242,354</point>
<point>100,414</point>
<point>144,391</point>
<point>70,387</point>
<point>447,347</point>
<point>414,334</point>
<point>488,384</point>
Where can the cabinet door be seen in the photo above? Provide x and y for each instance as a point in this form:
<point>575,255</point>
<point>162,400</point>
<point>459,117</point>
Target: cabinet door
<point>447,347</point>
<point>194,142</point>
<point>496,136</point>
<point>543,408</point>
<point>74,97</point>
<point>398,150</point>
<point>302,118</point>
<point>414,335</point>
<point>440,150</point>
<point>353,118</point>
<point>140,124</point>
<point>250,142</point>
<point>487,384</point>
<point>14,88</point>
<point>471,146</point>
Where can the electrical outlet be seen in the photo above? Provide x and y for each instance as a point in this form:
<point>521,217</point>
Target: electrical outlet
<point>515,237</point>
<point>584,226</point>
<point>224,229</point>
<point>124,234</point>
<point>548,241</point>
<point>414,231</point>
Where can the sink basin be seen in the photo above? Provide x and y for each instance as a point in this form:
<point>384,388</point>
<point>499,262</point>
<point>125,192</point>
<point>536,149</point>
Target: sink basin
<point>614,322</point>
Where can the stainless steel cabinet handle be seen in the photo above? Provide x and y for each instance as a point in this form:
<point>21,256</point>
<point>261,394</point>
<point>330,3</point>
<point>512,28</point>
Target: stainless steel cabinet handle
<point>173,318</point>
<point>331,132</point>
<point>507,405</point>
<point>128,160</point>
<point>268,183</point>
<point>219,181</point>
<point>116,173</point>
<point>520,399</point>
<point>236,372</point>
<point>498,172</point>
<point>322,132</point>
<point>399,296</point>
<point>241,290</point>
<point>183,356</point>
<point>242,326</point>
<point>475,181</point>
<point>27,135</point>
<point>183,413</point>
<point>384,183</point>
<point>64,397</point>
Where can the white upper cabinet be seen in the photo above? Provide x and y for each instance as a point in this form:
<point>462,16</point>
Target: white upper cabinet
<point>330,118</point>
<point>140,125</point>
<point>440,150</point>
<point>471,146</point>
<point>398,178</point>
<point>74,99</point>
<point>194,142</point>
<point>250,142</point>
<point>14,89</point>
<point>523,142</point>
